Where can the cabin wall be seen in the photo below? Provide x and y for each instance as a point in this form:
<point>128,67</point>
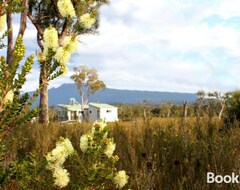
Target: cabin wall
<point>109,114</point>
<point>93,113</point>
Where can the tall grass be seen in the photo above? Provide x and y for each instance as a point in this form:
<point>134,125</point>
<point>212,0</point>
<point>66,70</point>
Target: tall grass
<point>168,153</point>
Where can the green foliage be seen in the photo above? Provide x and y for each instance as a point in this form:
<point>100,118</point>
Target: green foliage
<point>4,35</point>
<point>14,6</point>
<point>233,109</point>
<point>52,16</point>
<point>95,166</point>
<point>30,173</point>
<point>14,107</point>
<point>14,112</point>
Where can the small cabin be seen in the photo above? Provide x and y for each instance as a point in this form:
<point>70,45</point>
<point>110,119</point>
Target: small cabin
<point>72,111</point>
<point>105,112</point>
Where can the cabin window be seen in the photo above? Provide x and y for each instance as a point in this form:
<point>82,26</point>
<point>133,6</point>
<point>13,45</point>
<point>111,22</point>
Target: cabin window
<point>109,111</point>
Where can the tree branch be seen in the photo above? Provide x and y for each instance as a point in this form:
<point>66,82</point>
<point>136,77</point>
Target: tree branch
<point>39,41</point>
<point>35,23</point>
<point>56,8</point>
<point>39,29</point>
<point>23,19</point>
<point>64,32</point>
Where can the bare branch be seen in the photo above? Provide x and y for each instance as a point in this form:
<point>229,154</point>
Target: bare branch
<point>36,24</point>
<point>64,32</point>
<point>39,41</point>
<point>56,8</point>
<point>23,19</point>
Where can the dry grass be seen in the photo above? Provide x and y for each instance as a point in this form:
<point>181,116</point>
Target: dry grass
<point>161,153</point>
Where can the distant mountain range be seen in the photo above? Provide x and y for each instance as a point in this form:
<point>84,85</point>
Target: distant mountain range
<point>63,93</point>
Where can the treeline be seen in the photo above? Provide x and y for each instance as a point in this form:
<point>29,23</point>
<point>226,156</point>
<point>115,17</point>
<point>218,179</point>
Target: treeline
<point>213,104</point>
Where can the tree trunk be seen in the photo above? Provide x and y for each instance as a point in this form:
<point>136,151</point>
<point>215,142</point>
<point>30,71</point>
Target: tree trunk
<point>43,105</point>
<point>221,112</point>
<point>144,113</point>
<point>169,110</point>
<point>22,29</point>
<point>23,20</point>
<point>185,107</point>
<point>10,37</point>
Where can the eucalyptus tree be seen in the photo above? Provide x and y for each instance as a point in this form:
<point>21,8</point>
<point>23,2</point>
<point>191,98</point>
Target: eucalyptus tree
<point>221,97</point>
<point>69,18</point>
<point>87,82</point>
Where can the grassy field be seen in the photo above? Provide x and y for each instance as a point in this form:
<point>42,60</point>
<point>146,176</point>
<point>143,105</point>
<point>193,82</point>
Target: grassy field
<point>160,153</point>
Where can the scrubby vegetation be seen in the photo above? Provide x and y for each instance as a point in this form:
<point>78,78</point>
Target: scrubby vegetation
<point>160,153</point>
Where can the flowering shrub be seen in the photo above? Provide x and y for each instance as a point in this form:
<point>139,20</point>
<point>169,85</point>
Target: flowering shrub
<point>55,160</point>
<point>87,20</point>
<point>66,8</point>
<point>59,54</point>
<point>15,107</point>
<point>50,37</point>
<point>120,179</point>
<point>96,166</point>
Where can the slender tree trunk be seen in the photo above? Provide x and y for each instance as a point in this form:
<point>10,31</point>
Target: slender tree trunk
<point>169,110</point>
<point>145,113</point>
<point>22,29</point>
<point>221,112</point>
<point>185,107</point>
<point>23,21</point>
<point>10,37</point>
<point>43,105</point>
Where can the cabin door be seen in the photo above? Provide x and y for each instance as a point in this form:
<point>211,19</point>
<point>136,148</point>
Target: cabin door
<point>73,115</point>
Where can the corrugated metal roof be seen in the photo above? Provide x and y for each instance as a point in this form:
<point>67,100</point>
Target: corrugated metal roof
<point>74,107</point>
<point>106,106</point>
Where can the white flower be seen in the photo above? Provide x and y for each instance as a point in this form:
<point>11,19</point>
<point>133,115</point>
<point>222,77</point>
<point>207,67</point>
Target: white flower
<point>56,157</point>
<point>50,38</point>
<point>120,179</point>
<point>61,177</point>
<point>66,8</point>
<point>87,20</point>
<point>62,56</point>
<point>70,43</point>
<point>66,143</point>
<point>84,143</point>
<point>110,149</point>
<point>2,22</point>
<point>59,153</point>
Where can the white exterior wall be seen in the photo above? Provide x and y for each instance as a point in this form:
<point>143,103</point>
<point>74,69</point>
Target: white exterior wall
<point>109,114</point>
<point>106,114</point>
<point>69,115</point>
<point>93,113</point>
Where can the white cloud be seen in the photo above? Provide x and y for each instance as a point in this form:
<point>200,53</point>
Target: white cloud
<point>228,9</point>
<point>161,45</point>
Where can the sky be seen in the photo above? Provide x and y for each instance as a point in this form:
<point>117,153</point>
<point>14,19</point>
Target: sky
<point>159,45</point>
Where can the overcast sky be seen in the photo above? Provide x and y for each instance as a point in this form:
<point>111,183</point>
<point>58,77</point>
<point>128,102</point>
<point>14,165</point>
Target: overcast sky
<point>160,45</point>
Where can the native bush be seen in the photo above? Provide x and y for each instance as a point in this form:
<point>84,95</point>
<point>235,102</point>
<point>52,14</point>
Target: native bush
<point>95,166</point>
